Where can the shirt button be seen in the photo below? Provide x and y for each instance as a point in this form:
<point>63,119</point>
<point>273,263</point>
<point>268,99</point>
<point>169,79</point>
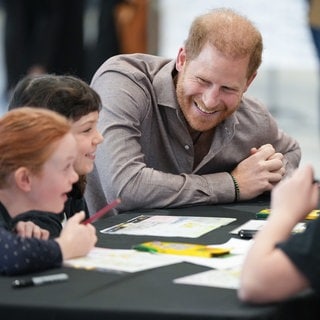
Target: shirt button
<point>187,147</point>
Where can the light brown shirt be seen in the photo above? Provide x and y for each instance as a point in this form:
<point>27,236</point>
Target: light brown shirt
<point>147,157</point>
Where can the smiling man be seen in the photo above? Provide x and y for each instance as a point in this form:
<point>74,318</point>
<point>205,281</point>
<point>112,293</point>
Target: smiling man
<point>183,132</point>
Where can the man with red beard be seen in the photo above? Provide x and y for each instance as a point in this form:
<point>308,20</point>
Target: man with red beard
<point>183,132</point>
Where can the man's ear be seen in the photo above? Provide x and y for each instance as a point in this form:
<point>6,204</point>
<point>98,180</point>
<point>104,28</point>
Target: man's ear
<point>23,179</point>
<point>249,81</point>
<point>181,59</point>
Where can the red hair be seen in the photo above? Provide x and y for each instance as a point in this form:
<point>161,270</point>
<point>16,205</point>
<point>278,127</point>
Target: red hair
<point>27,139</point>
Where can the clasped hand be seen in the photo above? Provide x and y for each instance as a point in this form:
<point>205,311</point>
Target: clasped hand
<point>260,172</point>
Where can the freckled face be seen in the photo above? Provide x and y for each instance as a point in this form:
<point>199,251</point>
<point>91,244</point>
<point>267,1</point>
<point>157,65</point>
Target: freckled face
<point>87,137</point>
<point>210,87</point>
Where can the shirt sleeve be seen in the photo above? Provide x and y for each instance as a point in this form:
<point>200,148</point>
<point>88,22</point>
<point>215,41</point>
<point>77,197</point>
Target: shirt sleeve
<point>303,251</point>
<point>22,255</point>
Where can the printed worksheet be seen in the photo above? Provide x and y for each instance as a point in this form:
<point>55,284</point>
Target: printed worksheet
<point>120,260</point>
<point>168,226</point>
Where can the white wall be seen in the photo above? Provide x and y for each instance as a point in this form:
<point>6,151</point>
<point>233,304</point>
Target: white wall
<point>283,25</point>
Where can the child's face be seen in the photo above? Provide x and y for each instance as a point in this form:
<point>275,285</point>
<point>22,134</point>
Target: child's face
<point>87,137</point>
<point>50,187</point>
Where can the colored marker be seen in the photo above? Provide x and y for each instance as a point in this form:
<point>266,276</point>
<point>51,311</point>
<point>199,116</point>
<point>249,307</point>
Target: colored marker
<point>102,212</point>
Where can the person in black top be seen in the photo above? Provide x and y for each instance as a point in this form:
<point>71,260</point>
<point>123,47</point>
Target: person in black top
<point>73,98</point>
<point>37,156</point>
<point>280,264</point>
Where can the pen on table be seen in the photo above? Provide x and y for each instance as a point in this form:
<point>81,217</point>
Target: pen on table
<point>102,211</point>
<point>247,234</point>
<point>38,281</point>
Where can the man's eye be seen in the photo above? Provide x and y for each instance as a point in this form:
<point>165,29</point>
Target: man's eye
<point>228,89</point>
<point>202,81</point>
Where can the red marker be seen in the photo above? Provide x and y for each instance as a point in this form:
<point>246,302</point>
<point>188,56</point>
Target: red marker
<point>102,211</point>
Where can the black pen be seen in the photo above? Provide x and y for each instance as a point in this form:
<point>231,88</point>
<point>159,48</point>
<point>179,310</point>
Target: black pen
<point>247,234</point>
<point>38,281</point>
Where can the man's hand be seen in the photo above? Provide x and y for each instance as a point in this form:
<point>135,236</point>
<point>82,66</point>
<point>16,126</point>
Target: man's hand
<point>260,172</point>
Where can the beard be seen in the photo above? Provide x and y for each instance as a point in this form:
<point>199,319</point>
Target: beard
<point>196,118</point>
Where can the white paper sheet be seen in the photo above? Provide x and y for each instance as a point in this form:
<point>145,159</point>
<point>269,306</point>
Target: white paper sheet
<point>228,279</point>
<point>169,226</point>
<point>120,260</point>
<point>257,224</point>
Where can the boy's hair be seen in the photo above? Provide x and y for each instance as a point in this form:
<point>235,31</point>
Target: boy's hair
<point>65,94</point>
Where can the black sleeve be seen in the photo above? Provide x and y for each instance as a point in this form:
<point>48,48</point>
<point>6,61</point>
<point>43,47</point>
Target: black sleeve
<point>74,205</point>
<point>303,251</point>
<point>45,220</point>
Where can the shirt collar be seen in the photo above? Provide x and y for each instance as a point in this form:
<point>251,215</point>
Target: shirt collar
<point>164,86</point>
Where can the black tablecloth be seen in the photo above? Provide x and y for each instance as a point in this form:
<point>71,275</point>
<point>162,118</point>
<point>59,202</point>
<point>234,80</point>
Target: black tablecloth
<point>149,294</point>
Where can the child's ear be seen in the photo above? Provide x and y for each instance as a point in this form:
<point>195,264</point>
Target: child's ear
<point>22,178</point>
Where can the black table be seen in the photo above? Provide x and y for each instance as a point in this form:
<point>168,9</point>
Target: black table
<point>149,294</point>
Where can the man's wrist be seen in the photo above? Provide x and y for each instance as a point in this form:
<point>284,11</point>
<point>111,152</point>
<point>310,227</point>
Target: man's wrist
<point>236,188</point>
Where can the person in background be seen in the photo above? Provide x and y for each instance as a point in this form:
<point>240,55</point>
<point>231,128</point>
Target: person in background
<point>182,132</point>
<point>73,98</point>
<point>314,23</point>
<point>107,43</point>
<point>281,264</point>
<point>121,28</point>
<point>48,32</point>
<point>37,154</point>
<point>314,26</point>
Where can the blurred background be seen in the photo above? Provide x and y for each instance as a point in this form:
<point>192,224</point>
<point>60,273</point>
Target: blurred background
<point>76,36</point>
